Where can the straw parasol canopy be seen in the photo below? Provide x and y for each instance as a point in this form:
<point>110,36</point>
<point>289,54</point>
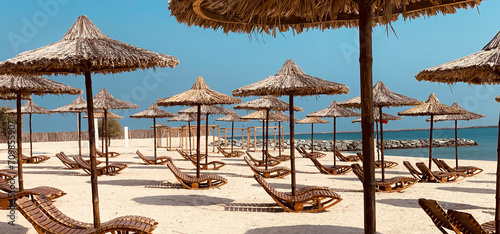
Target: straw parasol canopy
<point>153,112</point>
<point>23,86</point>
<point>262,116</point>
<point>312,121</point>
<point>232,118</point>
<point>13,96</point>
<point>431,107</point>
<point>292,81</point>
<point>333,110</point>
<point>68,109</point>
<point>376,117</point>
<point>84,50</point>
<point>161,125</point>
<point>270,17</point>
<point>468,115</point>
<point>199,94</point>
<point>110,115</point>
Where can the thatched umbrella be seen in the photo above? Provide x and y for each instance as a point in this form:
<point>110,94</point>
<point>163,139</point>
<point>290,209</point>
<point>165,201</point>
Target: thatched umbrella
<point>104,101</point>
<point>467,116</point>
<point>99,114</point>
<point>271,17</point>
<point>232,118</point>
<point>208,110</point>
<point>187,118</point>
<point>431,107</point>
<point>266,103</point>
<point>199,94</point>
<point>312,121</point>
<point>153,112</point>
<point>333,110</point>
<point>284,118</point>
<point>84,50</point>
<point>25,85</point>
<point>382,97</point>
<point>30,108</point>
<point>66,109</point>
<point>291,81</point>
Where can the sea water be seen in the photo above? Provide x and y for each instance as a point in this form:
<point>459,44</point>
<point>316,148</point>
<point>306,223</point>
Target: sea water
<point>487,139</point>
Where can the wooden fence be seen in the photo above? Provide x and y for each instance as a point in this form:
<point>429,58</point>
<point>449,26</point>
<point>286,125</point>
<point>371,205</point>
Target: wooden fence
<point>73,136</point>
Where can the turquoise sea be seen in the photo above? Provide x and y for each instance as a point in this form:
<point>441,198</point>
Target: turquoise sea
<point>485,137</point>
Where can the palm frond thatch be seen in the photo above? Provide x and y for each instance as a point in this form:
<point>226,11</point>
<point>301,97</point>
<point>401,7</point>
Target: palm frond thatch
<point>291,80</point>
<point>38,85</point>
<point>382,97</point>
<point>161,125</point>
<point>468,115</point>
<point>266,103</point>
<point>105,101</point>
<point>100,115</point>
<point>199,94</point>
<point>232,118</point>
<point>262,116</point>
<point>385,116</point>
<point>482,67</point>
<point>333,110</point>
<point>68,108</point>
<point>208,110</point>
<point>283,116</point>
<point>312,120</point>
<point>269,17</point>
<point>85,47</point>
<point>13,96</point>
<point>185,117</point>
<point>30,108</point>
<point>153,111</point>
<point>432,106</point>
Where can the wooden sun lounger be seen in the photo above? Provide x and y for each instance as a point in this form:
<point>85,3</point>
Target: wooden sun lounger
<point>414,172</point>
<point>270,172</point>
<point>70,163</point>
<point>102,155</point>
<point>281,158</point>
<point>437,215</point>
<point>7,174</point>
<point>466,223</point>
<point>235,153</point>
<point>186,156</point>
<point>31,160</point>
<point>307,199</point>
<point>378,163</point>
<point>259,163</point>
<point>390,185</point>
<point>49,192</point>
<point>8,201</point>
<point>306,154</point>
<point>111,169</point>
<point>330,170</point>
<point>205,181</point>
<point>438,176</point>
<point>150,160</point>
<point>349,158</point>
<point>46,222</point>
<point>212,165</point>
<point>467,170</point>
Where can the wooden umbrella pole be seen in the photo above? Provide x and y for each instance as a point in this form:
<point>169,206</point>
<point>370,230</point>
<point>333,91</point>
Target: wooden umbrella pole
<point>279,138</point>
<point>366,83</point>
<point>430,142</point>
<point>312,138</point>
<point>206,139</point>
<point>31,140</point>
<point>19,143</point>
<point>189,126</point>
<point>105,127</point>
<point>334,140</point>
<point>92,148</point>
<point>267,137</point>
<point>378,143</point>
<point>80,133</point>
<point>292,144</point>
<point>380,119</point>
<point>456,145</point>
<point>232,137</point>
<point>497,195</point>
<point>154,135</point>
<point>198,132</point>
<point>263,137</point>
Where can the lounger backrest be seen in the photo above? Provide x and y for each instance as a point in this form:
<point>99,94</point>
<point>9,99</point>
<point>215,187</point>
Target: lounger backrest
<point>38,219</point>
<point>340,155</point>
<point>360,156</point>
<point>437,214</point>
<point>267,187</point>
<point>424,169</point>
<point>221,150</point>
<point>412,170</point>
<point>446,166</point>
<point>175,170</point>
<point>439,164</point>
<point>465,222</point>
<point>61,156</point>
<point>5,186</point>
<point>78,159</point>
<point>356,168</point>
<point>46,206</point>
<point>141,155</point>
<point>302,151</point>
<point>317,164</point>
<point>248,161</point>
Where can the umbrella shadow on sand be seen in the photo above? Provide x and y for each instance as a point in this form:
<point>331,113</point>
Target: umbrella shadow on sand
<point>182,200</point>
<point>8,228</point>
<point>129,182</point>
<point>306,229</point>
<point>468,190</point>
<point>413,203</point>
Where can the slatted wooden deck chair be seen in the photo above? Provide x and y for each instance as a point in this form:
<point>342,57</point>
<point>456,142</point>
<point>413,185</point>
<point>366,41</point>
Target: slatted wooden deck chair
<point>270,172</point>
<point>438,216</point>
<point>378,163</point>
<point>467,170</point>
<point>102,155</point>
<point>70,163</point>
<point>438,176</point>
<point>8,201</point>
<point>307,199</point>
<point>205,181</point>
<point>46,223</point>
<point>330,170</point>
<point>466,223</point>
<point>150,160</point>
<point>212,165</point>
<point>389,185</point>
<point>414,172</point>
<point>7,174</point>
<point>49,192</point>
<point>306,154</point>
<point>111,169</point>
<point>348,158</point>
<point>235,153</point>
<point>31,159</point>
<point>280,158</point>
<point>186,156</point>
<point>260,163</point>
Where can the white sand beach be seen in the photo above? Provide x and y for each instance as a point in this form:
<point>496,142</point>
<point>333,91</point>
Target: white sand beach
<point>153,191</point>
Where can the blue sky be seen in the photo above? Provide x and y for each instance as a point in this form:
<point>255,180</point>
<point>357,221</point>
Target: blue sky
<point>227,62</point>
